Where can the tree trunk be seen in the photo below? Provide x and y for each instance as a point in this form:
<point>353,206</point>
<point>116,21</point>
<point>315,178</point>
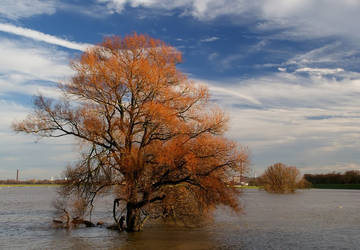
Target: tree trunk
<point>133,219</point>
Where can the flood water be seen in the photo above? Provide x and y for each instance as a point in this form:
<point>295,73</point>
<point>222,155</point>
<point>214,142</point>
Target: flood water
<point>309,219</point>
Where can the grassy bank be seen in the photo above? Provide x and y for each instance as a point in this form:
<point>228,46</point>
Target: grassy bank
<point>29,185</point>
<point>336,186</point>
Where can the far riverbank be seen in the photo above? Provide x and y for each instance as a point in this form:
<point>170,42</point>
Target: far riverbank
<point>29,185</point>
<point>315,186</point>
<point>336,186</point>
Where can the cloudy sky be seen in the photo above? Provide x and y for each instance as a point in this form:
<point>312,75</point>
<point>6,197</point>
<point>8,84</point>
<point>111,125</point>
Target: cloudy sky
<point>287,72</point>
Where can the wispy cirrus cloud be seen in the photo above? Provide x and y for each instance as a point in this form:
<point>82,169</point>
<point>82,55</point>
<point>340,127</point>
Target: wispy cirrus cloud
<point>33,61</point>
<point>15,10</point>
<point>320,71</point>
<point>279,116</point>
<point>28,69</point>
<point>332,53</point>
<point>339,167</point>
<point>39,36</point>
<point>239,96</point>
<point>209,39</point>
<point>18,9</point>
<point>340,59</point>
<point>299,19</point>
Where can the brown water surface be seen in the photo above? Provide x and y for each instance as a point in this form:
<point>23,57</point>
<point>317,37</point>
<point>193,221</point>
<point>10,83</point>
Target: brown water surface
<point>310,219</point>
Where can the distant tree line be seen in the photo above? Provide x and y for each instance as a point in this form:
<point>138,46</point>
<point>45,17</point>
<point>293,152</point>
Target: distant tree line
<point>33,181</point>
<point>349,177</point>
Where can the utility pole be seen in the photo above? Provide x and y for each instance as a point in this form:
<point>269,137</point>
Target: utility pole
<point>17,175</point>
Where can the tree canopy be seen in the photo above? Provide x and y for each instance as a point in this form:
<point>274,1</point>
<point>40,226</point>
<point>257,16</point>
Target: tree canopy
<point>280,178</point>
<point>147,133</point>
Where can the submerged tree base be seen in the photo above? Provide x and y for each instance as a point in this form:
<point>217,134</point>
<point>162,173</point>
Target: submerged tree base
<point>73,223</point>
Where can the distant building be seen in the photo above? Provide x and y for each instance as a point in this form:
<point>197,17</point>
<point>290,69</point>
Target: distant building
<point>241,180</point>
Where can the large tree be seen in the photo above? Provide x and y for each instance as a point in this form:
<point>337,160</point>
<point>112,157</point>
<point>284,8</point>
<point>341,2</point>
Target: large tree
<point>147,133</point>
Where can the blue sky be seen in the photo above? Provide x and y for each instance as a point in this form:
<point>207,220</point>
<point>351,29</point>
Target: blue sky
<point>287,72</point>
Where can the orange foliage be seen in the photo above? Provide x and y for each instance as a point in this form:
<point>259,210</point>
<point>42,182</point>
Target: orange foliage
<point>149,131</point>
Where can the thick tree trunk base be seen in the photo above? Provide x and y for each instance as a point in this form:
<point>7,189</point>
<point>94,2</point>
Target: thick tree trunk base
<point>133,219</point>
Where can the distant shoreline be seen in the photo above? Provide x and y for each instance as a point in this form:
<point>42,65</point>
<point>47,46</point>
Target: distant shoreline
<point>315,186</point>
<point>29,185</point>
<point>336,186</point>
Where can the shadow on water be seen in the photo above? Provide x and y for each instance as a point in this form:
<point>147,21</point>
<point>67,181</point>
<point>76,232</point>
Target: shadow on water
<point>153,237</point>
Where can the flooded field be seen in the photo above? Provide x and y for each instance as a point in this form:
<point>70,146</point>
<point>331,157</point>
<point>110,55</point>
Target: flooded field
<point>310,219</point>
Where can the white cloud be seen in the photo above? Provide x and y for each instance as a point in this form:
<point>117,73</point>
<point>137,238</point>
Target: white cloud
<point>335,59</point>
<point>30,69</point>
<point>201,9</point>
<point>312,18</point>
<point>9,86</point>
<point>320,71</point>
<point>9,111</point>
<point>21,62</point>
<point>339,167</point>
<point>20,151</point>
<point>119,5</point>
<point>300,18</point>
<point>16,9</point>
<point>333,53</point>
<point>299,120</point>
<point>209,39</point>
<point>213,56</point>
<point>39,36</point>
<point>229,61</point>
<point>225,91</point>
